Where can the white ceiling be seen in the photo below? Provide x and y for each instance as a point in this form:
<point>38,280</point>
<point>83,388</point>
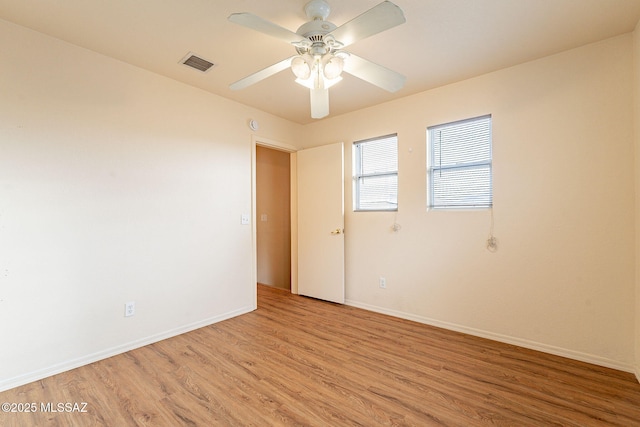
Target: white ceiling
<point>443,41</point>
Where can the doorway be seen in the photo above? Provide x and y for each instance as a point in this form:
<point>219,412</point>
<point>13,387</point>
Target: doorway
<point>273,217</point>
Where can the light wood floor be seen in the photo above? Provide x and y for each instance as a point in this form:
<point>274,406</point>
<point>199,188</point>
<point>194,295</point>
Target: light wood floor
<point>298,361</point>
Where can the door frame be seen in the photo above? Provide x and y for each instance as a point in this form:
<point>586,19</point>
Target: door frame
<point>280,146</point>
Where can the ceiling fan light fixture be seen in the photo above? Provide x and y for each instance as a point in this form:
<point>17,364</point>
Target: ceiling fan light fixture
<point>332,66</point>
<point>301,67</point>
<point>330,82</point>
<point>312,83</point>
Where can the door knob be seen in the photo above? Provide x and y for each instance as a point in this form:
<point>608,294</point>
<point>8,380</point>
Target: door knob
<point>337,231</point>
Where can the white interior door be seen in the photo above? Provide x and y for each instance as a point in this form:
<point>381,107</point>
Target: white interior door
<point>320,176</point>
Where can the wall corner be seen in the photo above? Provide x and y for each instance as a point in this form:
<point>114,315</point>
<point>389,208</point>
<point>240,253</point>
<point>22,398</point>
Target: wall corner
<point>636,127</point>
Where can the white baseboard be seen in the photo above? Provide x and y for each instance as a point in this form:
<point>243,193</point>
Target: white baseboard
<point>109,352</point>
<point>532,345</point>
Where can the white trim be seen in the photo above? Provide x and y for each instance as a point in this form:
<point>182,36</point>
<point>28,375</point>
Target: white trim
<point>532,345</point>
<point>293,163</point>
<point>271,143</point>
<point>104,354</point>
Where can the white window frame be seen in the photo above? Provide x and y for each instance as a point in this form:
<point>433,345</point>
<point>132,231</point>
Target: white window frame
<point>472,164</point>
<point>359,176</point>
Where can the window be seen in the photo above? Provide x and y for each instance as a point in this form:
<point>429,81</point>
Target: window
<point>375,174</point>
<point>459,164</point>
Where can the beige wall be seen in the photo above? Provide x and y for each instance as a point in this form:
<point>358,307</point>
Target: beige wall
<point>116,185</point>
<point>562,279</point>
<point>273,222</point>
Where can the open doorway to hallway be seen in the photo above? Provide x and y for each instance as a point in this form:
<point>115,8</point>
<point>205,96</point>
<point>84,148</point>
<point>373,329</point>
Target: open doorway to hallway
<point>273,217</point>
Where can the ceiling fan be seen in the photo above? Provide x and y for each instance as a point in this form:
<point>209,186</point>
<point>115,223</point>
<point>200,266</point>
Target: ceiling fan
<point>320,57</point>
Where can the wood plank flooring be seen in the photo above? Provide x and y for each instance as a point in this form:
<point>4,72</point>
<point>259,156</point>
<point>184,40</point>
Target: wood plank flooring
<point>303,362</point>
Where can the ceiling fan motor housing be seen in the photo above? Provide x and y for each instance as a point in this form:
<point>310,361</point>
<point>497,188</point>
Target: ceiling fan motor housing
<point>315,30</point>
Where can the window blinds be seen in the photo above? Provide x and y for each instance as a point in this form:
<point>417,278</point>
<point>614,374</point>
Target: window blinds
<point>460,164</point>
<point>376,174</point>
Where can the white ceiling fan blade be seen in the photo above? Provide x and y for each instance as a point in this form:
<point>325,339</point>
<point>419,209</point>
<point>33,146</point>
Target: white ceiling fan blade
<point>319,103</point>
<point>256,23</point>
<point>375,74</point>
<point>261,75</point>
<point>377,19</point>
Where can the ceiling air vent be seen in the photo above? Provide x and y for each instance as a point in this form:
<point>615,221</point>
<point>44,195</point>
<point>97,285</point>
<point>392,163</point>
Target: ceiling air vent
<point>194,61</point>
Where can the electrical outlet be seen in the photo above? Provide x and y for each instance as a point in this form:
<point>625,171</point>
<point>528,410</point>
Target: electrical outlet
<point>383,282</point>
<point>129,308</point>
